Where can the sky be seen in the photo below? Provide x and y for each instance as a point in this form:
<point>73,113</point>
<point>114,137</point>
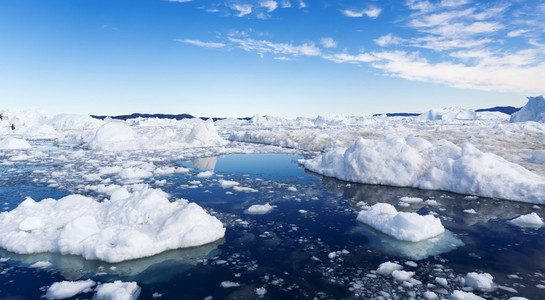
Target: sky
<point>287,58</point>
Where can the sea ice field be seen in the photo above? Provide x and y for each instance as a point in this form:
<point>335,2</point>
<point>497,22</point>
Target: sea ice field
<point>445,205</point>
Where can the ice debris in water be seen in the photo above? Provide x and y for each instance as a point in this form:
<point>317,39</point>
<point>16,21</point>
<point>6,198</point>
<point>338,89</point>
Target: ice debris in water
<point>67,289</point>
<point>126,226</point>
<point>404,226</point>
<point>258,209</point>
<point>118,290</point>
<point>530,220</point>
<point>480,281</point>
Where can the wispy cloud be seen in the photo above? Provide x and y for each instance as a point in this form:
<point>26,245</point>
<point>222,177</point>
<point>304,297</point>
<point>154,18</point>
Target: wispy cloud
<point>243,9</point>
<point>371,12</point>
<point>388,40</point>
<point>328,42</point>
<point>202,44</point>
<point>269,4</point>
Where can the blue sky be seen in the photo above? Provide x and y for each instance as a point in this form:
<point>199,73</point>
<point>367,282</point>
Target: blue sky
<point>278,57</point>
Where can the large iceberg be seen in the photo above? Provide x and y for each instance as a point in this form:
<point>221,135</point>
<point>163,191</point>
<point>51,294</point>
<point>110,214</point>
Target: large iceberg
<point>415,162</point>
<point>534,110</point>
<point>126,226</point>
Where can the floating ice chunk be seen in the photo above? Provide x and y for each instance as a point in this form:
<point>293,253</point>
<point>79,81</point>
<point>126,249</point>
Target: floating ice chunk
<point>461,295</point>
<point>117,290</point>
<point>332,255</point>
<point>260,209</point>
<point>67,289</point>
<point>470,211</point>
<point>41,265</point>
<point>401,275</point>
<point>127,226</point>
<point>228,183</point>
<point>441,281</point>
<point>12,143</point>
<point>440,166</point>
<point>261,292</point>
<point>451,113</point>
<point>534,110</point>
<point>404,226</point>
<point>292,189</point>
<point>480,281</point>
<point>428,295</point>
<point>229,284</point>
<point>387,268</point>
<point>411,199</point>
<point>529,220</point>
<point>244,189</point>
<point>205,174</point>
<point>518,298</point>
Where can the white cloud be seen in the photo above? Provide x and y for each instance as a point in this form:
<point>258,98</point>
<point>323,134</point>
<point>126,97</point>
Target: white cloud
<point>387,40</point>
<point>516,33</point>
<point>302,4</point>
<point>508,73</point>
<point>285,4</point>
<point>203,44</point>
<point>179,0</point>
<point>422,6</point>
<point>263,47</point>
<point>372,12</point>
<point>454,3</point>
<point>348,58</point>
<point>269,4</point>
<point>328,42</point>
<point>243,9</point>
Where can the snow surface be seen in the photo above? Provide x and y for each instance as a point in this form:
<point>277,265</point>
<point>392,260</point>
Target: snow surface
<point>416,162</point>
<point>67,289</point>
<point>126,226</point>
<point>404,226</point>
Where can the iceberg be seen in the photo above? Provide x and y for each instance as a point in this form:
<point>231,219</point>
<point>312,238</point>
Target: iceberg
<point>126,226</point>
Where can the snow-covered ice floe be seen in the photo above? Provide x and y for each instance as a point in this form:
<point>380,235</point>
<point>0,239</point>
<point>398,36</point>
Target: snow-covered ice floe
<point>415,162</point>
<point>531,220</point>
<point>258,209</point>
<point>126,226</point>
<point>404,226</point>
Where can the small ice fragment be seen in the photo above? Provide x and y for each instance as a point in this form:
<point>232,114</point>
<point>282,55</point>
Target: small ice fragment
<point>260,209</point>
<point>41,265</point>
<point>411,199</point>
<point>67,289</point>
<point>470,211</point>
<point>401,275</point>
<point>205,174</point>
<point>117,290</point>
<point>529,220</point>
<point>228,183</point>
<point>387,268</point>
<point>292,189</point>
<point>461,295</point>
<point>229,284</point>
<point>260,291</point>
<point>480,281</point>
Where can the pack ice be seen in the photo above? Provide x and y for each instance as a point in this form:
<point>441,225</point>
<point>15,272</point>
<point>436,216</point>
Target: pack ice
<point>127,226</point>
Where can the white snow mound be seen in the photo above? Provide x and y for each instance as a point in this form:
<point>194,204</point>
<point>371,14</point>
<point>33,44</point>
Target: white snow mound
<point>127,226</point>
<point>12,143</point>
<point>415,162</point>
<point>403,226</point>
<point>534,110</point>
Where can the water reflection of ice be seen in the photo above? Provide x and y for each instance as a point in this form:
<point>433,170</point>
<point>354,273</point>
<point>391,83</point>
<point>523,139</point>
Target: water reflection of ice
<point>153,269</point>
<point>206,163</point>
<point>443,243</point>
